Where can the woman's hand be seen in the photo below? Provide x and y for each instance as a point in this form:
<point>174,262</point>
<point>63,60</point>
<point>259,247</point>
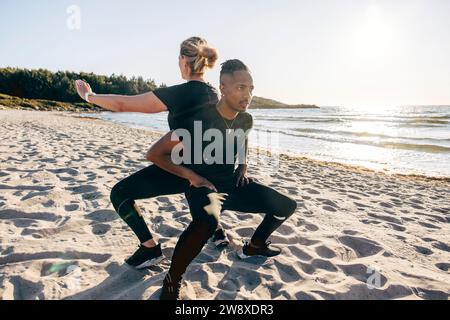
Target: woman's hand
<point>199,182</point>
<point>82,88</point>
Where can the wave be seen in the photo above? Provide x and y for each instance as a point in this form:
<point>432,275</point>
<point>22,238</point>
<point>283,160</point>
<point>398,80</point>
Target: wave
<point>366,135</point>
<point>409,121</point>
<point>430,148</point>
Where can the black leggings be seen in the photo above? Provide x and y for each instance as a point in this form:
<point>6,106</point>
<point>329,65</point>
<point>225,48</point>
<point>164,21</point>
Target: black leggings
<point>149,182</point>
<point>206,206</point>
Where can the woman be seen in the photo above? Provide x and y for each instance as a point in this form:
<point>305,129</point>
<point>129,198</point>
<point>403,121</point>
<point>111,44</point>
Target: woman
<point>180,101</point>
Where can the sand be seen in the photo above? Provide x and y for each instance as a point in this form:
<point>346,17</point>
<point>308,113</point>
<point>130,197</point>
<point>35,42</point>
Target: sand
<point>357,234</point>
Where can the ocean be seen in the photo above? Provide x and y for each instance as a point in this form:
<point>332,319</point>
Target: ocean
<point>406,140</point>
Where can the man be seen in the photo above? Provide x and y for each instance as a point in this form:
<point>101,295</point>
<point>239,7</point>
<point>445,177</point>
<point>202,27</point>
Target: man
<point>212,179</point>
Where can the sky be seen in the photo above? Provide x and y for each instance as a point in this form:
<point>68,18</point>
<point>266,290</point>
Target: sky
<point>328,52</point>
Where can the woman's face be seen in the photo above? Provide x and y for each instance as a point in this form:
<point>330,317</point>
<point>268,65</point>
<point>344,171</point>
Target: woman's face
<point>184,67</point>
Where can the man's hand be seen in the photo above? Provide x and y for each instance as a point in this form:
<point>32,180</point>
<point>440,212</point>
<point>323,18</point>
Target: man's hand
<point>199,182</point>
<point>241,176</point>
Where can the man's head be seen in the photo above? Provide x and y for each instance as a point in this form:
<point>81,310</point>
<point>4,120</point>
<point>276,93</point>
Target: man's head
<point>236,85</point>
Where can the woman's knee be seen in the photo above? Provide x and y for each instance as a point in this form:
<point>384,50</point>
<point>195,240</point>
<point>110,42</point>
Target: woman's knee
<point>291,206</point>
<point>119,197</point>
<point>116,194</point>
<point>288,207</point>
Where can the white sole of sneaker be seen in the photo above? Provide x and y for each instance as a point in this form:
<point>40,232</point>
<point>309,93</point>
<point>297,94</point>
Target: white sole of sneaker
<point>243,256</point>
<point>221,243</point>
<point>150,263</point>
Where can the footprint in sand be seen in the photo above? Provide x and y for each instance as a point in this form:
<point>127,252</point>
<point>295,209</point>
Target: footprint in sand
<point>82,189</point>
<point>325,252</point>
<point>287,272</point>
<point>245,232</point>
<point>291,190</point>
<point>324,265</point>
<point>328,208</point>
<point>300,254</point>
<point>328,202</point>
<point>304,296</point>
<point>396,227</point>
<point>431,294</point>
<point>103,216</point>
<point>3,174</point>
<point>69,171</point>
<point>312,191</point>
<point>286,229</point>
<point>433,217</point>
<point>353,197</point>
<point>385,218</point>
<point>350,232</point>
<point>360,205</point>
<point>386,205</point>
<point>26,290</point>
<point>423,250</point>
<point>311,227</point>
<point>362,273</point>
<point>428,225</point>
<point>69,255</point>
<point>306,242</point>
<point>10,214</point>
<point>441,246</point>
<point>361,246</point>
<point>71,207</point>
<point>100,229</point>
<point>443,266</point>
<point>367,221</point>
<point>166,230</point>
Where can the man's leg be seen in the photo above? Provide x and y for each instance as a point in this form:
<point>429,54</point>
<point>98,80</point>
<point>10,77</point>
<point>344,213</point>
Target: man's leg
<point>205,206</point>
<point>258,198</point>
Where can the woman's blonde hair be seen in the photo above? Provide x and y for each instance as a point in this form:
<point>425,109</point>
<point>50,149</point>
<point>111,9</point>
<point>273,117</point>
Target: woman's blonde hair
<point>199,54</point>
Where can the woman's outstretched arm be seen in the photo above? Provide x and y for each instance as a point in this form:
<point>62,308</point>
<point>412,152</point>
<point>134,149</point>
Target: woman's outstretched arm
<point>145,103</point>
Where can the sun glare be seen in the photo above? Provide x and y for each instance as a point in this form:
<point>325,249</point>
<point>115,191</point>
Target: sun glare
<point>373,36</point>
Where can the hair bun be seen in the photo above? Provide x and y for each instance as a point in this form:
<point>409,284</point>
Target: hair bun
<point>210,54</point>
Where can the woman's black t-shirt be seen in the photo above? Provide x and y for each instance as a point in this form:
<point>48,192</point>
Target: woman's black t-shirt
<point>185,99</point>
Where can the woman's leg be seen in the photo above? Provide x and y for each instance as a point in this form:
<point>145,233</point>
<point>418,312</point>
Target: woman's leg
<point>149,182</point>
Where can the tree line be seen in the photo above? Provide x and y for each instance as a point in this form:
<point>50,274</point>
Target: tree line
<point>59,86</point>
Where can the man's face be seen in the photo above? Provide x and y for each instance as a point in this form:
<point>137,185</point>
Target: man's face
<point>237,90</point>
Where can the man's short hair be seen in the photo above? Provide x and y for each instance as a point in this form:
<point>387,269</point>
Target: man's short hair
<point>232,65</point>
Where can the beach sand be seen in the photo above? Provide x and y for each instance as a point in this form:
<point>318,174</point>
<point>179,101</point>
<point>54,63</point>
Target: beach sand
<point>357,234</point>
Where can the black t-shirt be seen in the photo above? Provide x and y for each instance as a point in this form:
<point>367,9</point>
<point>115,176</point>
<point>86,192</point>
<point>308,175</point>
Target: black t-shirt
<point>205,157</point>
<point>185,99</point>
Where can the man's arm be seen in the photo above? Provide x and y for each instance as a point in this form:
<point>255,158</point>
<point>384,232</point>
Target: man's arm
<point>241,170</point>
<point>160,154</point>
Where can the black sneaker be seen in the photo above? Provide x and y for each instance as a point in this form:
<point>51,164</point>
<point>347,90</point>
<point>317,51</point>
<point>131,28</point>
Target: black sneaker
<point>220,239</point>
<point>265,250</point>
<point>170,289</point>
<point>145,257</point>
